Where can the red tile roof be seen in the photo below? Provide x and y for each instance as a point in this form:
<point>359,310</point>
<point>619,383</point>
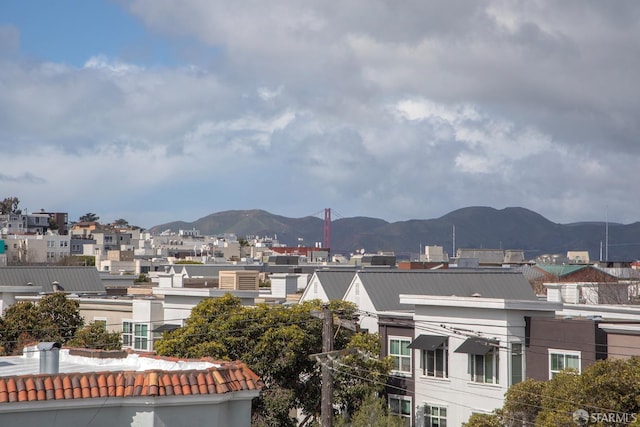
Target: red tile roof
<point>228,377</point>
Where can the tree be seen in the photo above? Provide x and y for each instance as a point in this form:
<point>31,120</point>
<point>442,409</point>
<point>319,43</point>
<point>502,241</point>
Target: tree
<point>121,222</point>
<point>608,388</point>
<point>89,217</point>
<point>276,343</point>
<point>53,318</point>
<point>95,335</point>
<point>484,420</point>
<point>9,205</point>
<point>63,313</point>
<point>373,412</point>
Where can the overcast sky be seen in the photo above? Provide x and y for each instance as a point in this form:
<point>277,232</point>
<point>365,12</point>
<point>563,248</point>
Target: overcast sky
<point>160,110</point>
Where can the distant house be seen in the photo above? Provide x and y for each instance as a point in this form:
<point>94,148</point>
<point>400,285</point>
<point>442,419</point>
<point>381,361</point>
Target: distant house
<point>28,280</point>
<point>91,387</point>
<point>574,273</point>
<point>327,285</point>
<point>489,257</point>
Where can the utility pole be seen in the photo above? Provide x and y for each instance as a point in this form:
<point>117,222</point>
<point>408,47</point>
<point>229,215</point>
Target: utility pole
<point>325,358</point>
<point>326,407</point>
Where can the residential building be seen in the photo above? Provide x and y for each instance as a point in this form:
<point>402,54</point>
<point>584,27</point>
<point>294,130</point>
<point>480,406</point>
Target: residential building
<point>22,281</point>
<point>468,351</point>
<point>92,387</point>
<point>327,285</point>
<point>37,248</point>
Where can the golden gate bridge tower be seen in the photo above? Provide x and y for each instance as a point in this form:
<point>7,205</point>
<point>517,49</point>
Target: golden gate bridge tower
<point>327,229</point>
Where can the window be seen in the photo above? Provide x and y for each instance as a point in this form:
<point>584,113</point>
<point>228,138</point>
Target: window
<point>484,367</point>
<point>561,359</point>
<point>135,335</point>
<point>100,320</point>
<point>517,365</point>
<point>127,334</point>
<point>435,363</point>
<point>431,416</point>
<point>141,336</point>
<point>400,405</point>
<point>401,353</point>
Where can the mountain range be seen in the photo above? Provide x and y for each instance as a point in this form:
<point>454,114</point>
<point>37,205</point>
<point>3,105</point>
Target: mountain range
<point>470,227</point>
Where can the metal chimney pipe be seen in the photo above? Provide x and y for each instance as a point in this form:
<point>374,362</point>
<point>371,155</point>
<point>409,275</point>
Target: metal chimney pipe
<point>49,357</point>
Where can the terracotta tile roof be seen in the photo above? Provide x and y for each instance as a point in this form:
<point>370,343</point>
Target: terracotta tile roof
<point>228,377</point>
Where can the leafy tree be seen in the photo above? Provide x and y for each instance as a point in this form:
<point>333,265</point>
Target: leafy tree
<point>95,335</point>
<point>62,312</point>
<point>121,222</point>
<point>78,260</point>
<point>484,420</point>
<point>89,217</point>
<point>276,343</point>
<point>53,318</point>
<point>373,412</point>
<point>53,225</point>
<point>606,387</point>
<point>9,205</point>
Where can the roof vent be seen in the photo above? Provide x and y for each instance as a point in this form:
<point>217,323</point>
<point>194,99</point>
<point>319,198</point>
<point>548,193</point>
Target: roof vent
<point>476,295</point>
<point>56,286</point>
<point>49,357</point>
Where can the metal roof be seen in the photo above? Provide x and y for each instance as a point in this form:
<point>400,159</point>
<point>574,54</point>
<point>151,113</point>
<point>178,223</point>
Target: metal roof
<point>384,287</point>
<point>335,283</point>
<point>428,342</point>
<point>72,279</point>
<point>479,346</point>
<point>560,270</point>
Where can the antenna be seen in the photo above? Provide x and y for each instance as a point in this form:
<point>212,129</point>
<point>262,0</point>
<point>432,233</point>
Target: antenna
<point>606,236</point>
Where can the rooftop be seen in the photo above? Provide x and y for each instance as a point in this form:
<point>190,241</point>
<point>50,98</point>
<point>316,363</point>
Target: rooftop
<point>85,374</point>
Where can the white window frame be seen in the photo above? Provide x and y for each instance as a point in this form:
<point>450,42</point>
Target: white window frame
<point>127,333</point>
<point>400,398</point>
<point>441,352</point>
<point>430,414</point>
<point>476,360</point>
<point>141,341</point>
<point>564,353</point>
<point>399,357</point>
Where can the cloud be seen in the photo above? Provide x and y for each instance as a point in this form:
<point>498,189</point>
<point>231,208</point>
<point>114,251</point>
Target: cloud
<point>376,109</point>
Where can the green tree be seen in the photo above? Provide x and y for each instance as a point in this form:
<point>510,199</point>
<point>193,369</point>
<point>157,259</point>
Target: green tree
<point>95,335</point>
<point>484,420</point>
<point>9,205</point>
<point>606,387</point>
<point>121,222</point>
<point>373,412</point>
<point>63,313</point>
<point>89,217</point>
<point>53,318</point>
<point>276,343</point>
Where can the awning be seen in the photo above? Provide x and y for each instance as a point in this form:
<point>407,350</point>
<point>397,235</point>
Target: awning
<point>166,328</point>
<point>427,342</point>
<point>480,346</point>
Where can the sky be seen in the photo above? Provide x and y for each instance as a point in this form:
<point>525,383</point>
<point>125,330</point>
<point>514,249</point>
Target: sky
<point>155,110</point>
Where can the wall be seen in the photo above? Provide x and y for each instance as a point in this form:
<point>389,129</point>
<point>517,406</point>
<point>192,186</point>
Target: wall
<point>562,334</point>
<point>621,346</point>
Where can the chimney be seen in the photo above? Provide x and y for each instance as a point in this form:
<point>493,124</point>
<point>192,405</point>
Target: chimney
<point>49,357</point>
